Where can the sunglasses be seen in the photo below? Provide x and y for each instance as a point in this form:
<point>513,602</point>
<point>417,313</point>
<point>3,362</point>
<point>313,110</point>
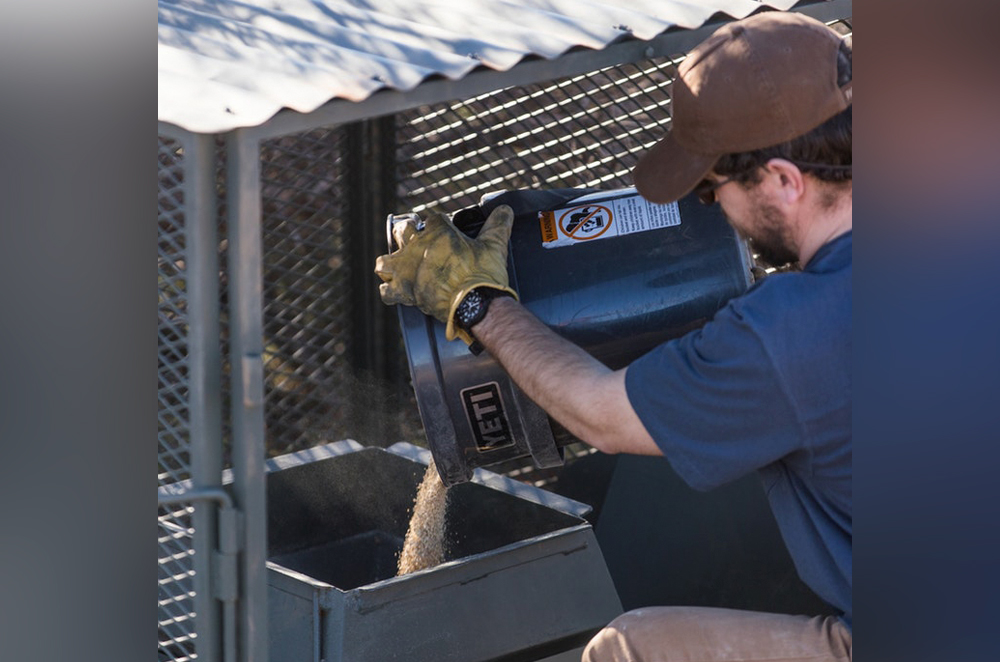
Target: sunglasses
<point>705,190</point>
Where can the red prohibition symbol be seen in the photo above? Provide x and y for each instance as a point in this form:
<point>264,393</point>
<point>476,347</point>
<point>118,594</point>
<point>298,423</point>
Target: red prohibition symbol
<point>585,222</point>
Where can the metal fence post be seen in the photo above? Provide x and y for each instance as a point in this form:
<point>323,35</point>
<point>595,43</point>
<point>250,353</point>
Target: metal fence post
<point>205,379</point>
<point>246,349</point>
<point>370,157</point>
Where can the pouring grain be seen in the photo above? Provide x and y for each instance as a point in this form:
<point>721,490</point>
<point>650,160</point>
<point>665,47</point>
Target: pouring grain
<point>423,546</point>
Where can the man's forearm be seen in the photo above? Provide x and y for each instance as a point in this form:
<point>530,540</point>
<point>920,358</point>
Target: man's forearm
<point>580,392</point>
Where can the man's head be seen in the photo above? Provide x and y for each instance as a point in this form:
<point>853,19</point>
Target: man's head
<point>755,90</point>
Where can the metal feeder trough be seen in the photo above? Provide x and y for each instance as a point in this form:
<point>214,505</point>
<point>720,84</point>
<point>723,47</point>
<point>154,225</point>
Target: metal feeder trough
<point>523,577</point>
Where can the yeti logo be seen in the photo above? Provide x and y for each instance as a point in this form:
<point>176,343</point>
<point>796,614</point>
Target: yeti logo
<point>484,409</point>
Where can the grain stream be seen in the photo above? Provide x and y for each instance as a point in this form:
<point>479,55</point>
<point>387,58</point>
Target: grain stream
<point>423,546</point>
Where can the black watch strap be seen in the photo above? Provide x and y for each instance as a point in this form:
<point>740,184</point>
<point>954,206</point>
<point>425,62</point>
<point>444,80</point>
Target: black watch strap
<point>473,307</point>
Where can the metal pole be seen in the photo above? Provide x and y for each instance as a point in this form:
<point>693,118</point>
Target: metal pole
<point>246,349</point>
<point>205,376</point>
<point>370,161</point>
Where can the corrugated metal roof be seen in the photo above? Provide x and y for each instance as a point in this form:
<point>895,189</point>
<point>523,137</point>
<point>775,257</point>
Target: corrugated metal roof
<point>225,64</point>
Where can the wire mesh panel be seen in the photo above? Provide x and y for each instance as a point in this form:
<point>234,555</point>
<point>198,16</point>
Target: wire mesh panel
<point>175,568</point>
<point>172,366</point>
<point>578,131</point>
<point>307,313</point>
<point>175,588</point>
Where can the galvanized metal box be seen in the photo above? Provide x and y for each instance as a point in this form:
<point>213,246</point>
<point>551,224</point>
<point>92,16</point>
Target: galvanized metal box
<point>523,577</point>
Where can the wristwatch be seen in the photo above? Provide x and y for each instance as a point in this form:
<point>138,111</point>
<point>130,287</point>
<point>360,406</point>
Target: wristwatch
<point>472,309</point>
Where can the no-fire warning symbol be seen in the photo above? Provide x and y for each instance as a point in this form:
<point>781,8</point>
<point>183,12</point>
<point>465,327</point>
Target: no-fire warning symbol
<point>588,222</point>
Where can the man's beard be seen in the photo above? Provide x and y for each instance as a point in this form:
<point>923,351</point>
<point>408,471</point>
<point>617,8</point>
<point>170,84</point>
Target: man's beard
<point>769,237</point>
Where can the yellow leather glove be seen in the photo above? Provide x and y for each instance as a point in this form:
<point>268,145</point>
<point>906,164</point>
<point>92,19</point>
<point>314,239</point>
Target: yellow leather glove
<point>437,265</point>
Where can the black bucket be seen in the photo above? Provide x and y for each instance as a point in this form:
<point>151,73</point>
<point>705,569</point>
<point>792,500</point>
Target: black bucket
<point>608,271</point>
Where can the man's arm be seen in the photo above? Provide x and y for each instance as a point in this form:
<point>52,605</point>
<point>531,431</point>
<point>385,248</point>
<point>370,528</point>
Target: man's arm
<point>435,267</point>
<point>580,392</point>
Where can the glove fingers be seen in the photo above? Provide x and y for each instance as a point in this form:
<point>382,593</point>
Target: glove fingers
<point>393,290</point>
<point>496,230</point>
<point>393,293</point>
<point>384,267</point>
<point>404,227</point>
<point>436,223</point>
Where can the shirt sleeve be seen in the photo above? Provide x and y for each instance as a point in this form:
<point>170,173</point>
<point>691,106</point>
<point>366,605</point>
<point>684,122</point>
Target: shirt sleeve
<point>713,400</point>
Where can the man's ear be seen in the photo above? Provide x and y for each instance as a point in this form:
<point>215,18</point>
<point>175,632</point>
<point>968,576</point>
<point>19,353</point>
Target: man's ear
<point>787,180</point>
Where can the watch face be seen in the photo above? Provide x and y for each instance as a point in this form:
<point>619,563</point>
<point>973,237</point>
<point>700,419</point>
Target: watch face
<point>469,310</point>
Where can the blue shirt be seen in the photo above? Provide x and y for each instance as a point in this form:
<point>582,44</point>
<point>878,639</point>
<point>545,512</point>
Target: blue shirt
<point>765,386</point>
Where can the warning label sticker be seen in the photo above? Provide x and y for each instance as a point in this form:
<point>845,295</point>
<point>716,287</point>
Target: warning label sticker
<point>598,216</point>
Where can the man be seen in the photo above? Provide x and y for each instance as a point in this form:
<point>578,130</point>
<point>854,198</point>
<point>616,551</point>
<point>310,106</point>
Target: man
<point>762,125</point>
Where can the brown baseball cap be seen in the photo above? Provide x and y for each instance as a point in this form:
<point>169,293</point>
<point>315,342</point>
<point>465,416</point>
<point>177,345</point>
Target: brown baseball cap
<point>754,83</point>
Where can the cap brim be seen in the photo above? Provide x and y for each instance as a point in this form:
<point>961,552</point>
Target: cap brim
<point>668,172</point>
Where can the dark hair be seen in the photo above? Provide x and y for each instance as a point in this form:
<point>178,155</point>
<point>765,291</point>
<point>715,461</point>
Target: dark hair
<point>827,144</point>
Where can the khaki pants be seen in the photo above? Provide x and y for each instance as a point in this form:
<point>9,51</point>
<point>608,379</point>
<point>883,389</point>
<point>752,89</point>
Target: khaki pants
<point>702,634</point>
